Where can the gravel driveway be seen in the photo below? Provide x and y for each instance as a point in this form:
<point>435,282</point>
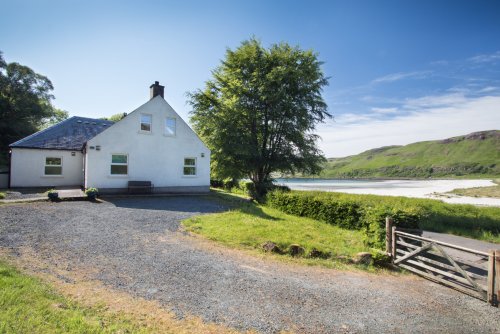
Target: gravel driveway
<point>135,245</point>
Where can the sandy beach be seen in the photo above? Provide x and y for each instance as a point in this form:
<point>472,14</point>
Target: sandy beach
<point>434,189</point>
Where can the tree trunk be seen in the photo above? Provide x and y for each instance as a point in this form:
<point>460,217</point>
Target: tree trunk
<point>260,180</point>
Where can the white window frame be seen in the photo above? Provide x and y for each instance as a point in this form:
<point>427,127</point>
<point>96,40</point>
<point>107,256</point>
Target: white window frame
<point>195,166</point>
<point>150,123</point>
<point>118,164</point>
<point>45,166</point>
<point>175,127</point>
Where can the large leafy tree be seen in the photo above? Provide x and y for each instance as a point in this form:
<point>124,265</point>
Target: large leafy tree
<point>25,103</point>
<point>115,117</point>
<point>259,111</point>
<point>58,115</point>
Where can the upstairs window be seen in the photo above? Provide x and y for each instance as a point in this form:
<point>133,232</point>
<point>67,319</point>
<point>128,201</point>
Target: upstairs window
<point>146,121</point>
<point>53,166</point>
<point>170,124</point>
<point>189,166</point>
<point>119,164</point>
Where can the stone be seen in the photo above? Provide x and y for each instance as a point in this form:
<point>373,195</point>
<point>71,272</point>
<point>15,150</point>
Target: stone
<point>363,258</point>
<point>296,250</point>
<point>318,254</point>
<point>271,247</point>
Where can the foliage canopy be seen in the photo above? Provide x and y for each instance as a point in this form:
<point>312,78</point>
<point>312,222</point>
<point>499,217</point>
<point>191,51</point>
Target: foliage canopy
<point>115,117</point>
<point>25,103</point>
<point>258,112</point>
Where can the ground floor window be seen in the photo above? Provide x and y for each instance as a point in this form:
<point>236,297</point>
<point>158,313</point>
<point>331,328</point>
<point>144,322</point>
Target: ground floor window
<point>189,166</point>
<point>53,166</point>
<point>119,164</point>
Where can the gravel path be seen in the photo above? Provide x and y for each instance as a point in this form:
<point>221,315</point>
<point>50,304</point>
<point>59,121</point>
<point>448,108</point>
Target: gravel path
<point>24,194</point>
<point>135,245</point>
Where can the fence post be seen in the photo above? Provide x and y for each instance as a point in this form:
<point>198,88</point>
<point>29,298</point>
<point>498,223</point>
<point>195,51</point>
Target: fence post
<point>388,235</point>
<point>497,275</point>
<point>491,277</point>
<point>393,243</point>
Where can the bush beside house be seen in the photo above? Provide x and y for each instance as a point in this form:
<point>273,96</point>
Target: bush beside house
<point>346,212</point>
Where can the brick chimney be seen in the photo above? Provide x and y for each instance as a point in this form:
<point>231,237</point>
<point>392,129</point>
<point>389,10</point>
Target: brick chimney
<point>156,89</point>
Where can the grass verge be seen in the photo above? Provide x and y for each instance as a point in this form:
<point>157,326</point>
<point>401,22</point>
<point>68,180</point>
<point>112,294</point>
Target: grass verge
<point>29,305</point>
<point>248,225</point>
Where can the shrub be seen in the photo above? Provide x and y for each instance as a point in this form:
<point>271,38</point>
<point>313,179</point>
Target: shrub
<point>373,221</point>
<point>248,187</point>
<point>347,212</point>
<point>229,183</point>
<point>281,188</point>
<point>2,195</point>
<point>53,195</point>
<point>92,193</point>
<point>216,183</point>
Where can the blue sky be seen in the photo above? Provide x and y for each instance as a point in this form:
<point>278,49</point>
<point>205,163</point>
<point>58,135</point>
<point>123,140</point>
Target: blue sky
<point>401,71</point>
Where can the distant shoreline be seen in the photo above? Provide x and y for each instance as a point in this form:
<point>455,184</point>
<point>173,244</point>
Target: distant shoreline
<point>417,188</point>
<point>468,177</point>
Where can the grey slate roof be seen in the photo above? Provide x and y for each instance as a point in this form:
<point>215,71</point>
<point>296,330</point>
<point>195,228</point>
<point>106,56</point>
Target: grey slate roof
<point>70,134</point>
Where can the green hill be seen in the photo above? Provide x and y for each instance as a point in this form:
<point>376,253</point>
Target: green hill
<point>473,155</point>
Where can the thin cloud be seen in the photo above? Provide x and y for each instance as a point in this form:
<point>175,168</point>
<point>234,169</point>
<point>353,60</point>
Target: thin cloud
<point>350,118</point>
<point>402,75</point>
<point>488,89</point>
<point>384,111</point>
<point>486,58</point>
<point>433,101</point>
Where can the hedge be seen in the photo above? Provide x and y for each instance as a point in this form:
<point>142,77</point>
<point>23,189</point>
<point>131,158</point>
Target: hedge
<point>347,212</point>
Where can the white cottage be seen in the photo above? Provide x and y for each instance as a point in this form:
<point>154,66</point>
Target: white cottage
<point>152,143</point>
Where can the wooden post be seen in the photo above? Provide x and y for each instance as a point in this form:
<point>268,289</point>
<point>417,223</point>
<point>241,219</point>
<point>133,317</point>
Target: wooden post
<point>491,277</point>
<point>388,235</point>
<point>393,248</point>
<point>497,275</point>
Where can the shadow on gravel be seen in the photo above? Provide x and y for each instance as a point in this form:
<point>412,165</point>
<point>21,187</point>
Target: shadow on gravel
<point>192,204</point>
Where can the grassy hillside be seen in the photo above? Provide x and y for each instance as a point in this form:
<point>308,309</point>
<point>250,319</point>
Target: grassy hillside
<point>473,155</point>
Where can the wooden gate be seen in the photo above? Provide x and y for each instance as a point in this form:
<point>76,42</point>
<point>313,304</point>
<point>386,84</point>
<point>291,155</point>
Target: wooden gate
<point>470,271</point>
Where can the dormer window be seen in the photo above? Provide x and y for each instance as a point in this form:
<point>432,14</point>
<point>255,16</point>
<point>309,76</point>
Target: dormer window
<point>146,121</point>
<point>170,125</point>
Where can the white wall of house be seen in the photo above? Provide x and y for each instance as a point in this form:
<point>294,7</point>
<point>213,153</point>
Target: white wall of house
<point>28,168</point>
<point>152,156</point>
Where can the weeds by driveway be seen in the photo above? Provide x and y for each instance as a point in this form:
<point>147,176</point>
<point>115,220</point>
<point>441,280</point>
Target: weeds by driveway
<point>135,246</point>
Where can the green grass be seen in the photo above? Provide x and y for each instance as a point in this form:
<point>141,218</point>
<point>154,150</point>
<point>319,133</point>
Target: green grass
<point>493,191</point>
<point>2,195</point>
<point>475,156</point>
<point>29,306</point>
<point>482,223</point>
<point>249,225</point>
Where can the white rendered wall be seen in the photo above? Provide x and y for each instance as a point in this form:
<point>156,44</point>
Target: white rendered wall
<point>152,156</point>
<point>28,168</point>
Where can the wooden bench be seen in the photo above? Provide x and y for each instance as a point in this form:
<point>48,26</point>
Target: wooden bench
<point>140,187</point>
